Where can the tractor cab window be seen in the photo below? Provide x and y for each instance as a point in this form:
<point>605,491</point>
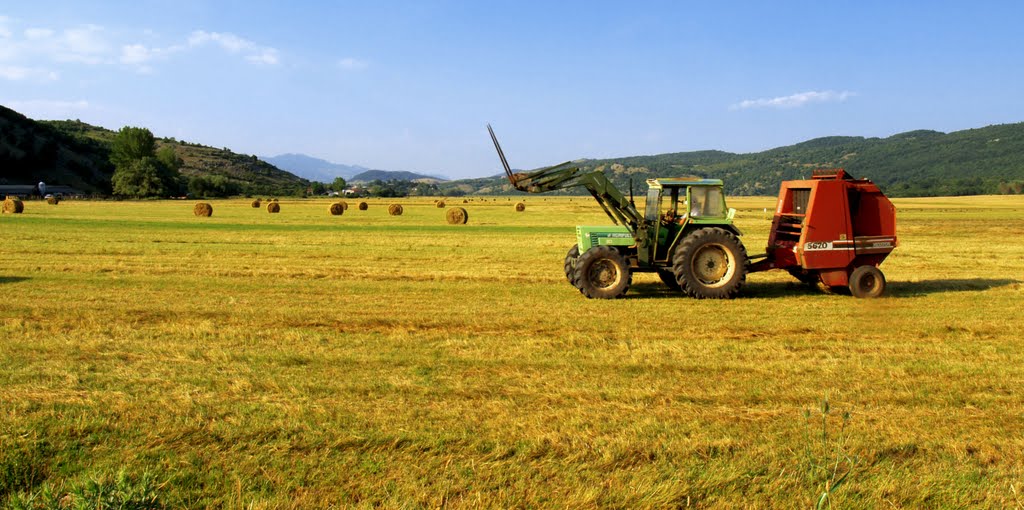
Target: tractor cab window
<point>653,207</point>
<point>706,201</point>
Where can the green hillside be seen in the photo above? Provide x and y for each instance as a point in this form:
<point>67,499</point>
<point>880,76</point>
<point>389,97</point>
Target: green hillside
<point>33,151</point>
<point>250,174</point>
<point>988,160</point>
<point>76,154</point>
<point>917,163</point>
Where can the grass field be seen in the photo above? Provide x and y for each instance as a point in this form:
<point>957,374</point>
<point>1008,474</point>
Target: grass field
<point>302,360</point>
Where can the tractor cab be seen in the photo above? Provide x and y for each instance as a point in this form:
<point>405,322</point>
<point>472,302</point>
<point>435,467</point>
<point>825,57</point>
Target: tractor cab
<point>677,205</point>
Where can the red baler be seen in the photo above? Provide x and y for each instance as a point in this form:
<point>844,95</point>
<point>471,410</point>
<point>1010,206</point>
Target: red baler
<point>834,229</point>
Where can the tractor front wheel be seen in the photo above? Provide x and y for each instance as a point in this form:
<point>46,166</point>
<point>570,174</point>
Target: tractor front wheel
<point>570,262</point>
<point>867,282</point>
<point>602,273</point>
<point>710,263</point>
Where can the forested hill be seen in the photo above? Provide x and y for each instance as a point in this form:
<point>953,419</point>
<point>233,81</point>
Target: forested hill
<point>76,154</point>
<point>33,151</point>
<point>988,160</point>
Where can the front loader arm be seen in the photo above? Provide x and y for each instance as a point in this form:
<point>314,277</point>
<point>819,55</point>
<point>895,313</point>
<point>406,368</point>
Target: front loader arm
<point>565,175</point>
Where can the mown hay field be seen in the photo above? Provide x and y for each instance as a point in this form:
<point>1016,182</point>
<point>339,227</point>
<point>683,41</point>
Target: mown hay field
<point>303,360</point>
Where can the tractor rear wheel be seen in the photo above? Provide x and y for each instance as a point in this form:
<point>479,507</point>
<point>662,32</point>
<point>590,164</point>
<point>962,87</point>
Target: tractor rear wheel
<point>602,273</point>
<point>570,261</point>
<point>668,278</point>
<point>867,282</point>
<point>710,263</point>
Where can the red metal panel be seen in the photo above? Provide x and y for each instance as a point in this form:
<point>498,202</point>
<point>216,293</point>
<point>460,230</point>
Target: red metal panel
<point>827,241</point>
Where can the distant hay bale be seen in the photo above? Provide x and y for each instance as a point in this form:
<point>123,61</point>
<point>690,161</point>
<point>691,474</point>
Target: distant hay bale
<point>465,201</point>
<point>457,216</point>
<point>520,207</point>
<point>344,204</point>
<point>52,200</point>
<point>363,206</point>
<point>273,200</point>
<point>395,209</point>
<point>273,207</point>
<point>13,205</point>
<point>337,209</point>
<point>256,204</point>
<point>203,209</point>
<point>440,204</point>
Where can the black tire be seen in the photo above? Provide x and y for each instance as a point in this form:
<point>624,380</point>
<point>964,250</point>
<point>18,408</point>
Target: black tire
<point>570,262</point>
<point>710,263</point>
<point>602,273</point>
<point>668,278</point>
<point>867,282</point>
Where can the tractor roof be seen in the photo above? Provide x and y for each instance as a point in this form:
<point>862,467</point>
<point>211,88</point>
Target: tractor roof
<point>672,182</point>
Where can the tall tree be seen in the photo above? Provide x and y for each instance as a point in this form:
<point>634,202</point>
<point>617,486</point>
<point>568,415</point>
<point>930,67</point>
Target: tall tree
<point>139,170</point>
<point>339,184</point>
<point>130,145</point>
<point>142,178</point>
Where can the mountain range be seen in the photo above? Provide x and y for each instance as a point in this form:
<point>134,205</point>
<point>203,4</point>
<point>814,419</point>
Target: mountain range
<point>985,160</point>
<point>314,169</point>
<point>321,170</point>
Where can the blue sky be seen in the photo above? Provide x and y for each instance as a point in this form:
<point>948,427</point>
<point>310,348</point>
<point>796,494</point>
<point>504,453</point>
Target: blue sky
<point>411,85</point>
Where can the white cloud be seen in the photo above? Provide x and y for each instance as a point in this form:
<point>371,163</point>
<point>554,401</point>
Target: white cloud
<point>234,44</point>
<point>86,44</point>
<point>31,52</point>
<point>267,56</point>
<point>49,109</point>
<point>352,64</point>
<point>38,33</point>
<point>795,100</point>
<point>18,73</point>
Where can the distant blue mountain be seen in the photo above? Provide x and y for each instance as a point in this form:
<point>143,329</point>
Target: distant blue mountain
<point>314,169</point>
<point>385,175</point>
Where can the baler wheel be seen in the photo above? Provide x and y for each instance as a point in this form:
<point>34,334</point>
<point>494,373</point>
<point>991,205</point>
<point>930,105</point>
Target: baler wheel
<point>602,273</point>
<point>867,282</point>
<point>710,263</point>
<point>570,261</point>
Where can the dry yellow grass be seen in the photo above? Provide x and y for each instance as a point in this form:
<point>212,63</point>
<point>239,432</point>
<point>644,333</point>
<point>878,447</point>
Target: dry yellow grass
<point>244,362</point>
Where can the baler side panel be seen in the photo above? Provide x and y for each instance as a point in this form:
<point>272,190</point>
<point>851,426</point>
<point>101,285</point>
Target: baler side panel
<point>874,224</point>
<point>827,240</point>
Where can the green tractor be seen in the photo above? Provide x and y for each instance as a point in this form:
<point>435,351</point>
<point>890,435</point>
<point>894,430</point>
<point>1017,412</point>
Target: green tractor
<point>685,234</point>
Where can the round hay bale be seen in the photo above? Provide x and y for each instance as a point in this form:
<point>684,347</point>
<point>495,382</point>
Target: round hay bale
<point>203,209</point>
<point>344,204</point>
<point>13,205</point>
<point>273,207</point>
<point>52,200</point>
<point>395,209</point>
<point>273,200</point>
<point>337,209</point>
<point>440,204</point>
<point>457,216</point>
<point>256,204</point>
<point>363,206</point>
<point>465,201</point>
<point>520,207</point>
